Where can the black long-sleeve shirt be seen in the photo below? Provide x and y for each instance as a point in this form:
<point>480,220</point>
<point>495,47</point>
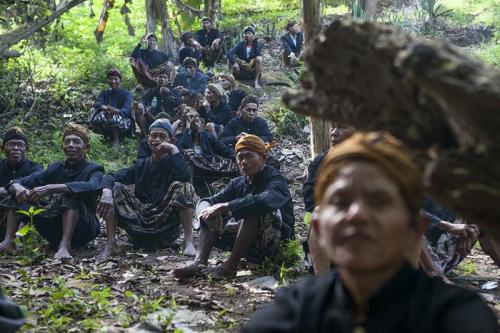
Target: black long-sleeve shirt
<point>235,97</point>
<point>209,144</point>
<point>165,101</point>
<point>410,302</point>
<point>289,46</point>
<point>21,169</point>
<point>219,115</point>
<point>118,98</point>
<point>83,178</point>
<point>308,189</point>
<point>236,126</point>
<point>269,191</point>
<point>207,38</point>
<point>151,178</point>
<point>153,58</point>
<point>240,52</point>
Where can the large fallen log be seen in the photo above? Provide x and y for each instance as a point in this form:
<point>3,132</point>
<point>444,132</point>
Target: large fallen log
<point>439,100</point>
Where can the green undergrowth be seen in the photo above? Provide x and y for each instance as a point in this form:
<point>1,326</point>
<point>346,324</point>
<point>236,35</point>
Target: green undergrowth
<point>286,264</point>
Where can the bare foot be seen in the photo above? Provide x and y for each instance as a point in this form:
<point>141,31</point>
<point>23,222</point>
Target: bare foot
<point>63,253</point>
<point>188,271</point>
<point>256,85</point>
<point>189,250</point>
<point>220,272</point>
<point>8,246</point>
<point>109,251</point>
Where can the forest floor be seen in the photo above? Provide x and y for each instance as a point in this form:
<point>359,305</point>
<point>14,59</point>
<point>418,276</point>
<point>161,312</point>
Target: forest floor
<point>136,291</point>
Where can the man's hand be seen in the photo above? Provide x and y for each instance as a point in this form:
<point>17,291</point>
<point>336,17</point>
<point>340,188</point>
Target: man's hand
<point>181,89</point>
<point>112,110</point>
<point>215,210</point>
<point>215,43</point>
<point>164,90</point>
<point>20,192</point>
<point>39,192</point>
<point>167,148</point>
<point>106,204</point>
<point>205,104</point>
<point>236,67</point>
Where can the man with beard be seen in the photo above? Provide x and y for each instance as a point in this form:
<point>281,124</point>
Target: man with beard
<point>67,191</point>
<point>247,122</point>
<point>191,83</point>
<point>158,102</point>
<point>245,59</point>
<point>15,165</point>
<point>260,203</point>
<point>369,194</point>
<point>210,42</point>
<point>162,200</point>
<point>111,115</point>
<point>337,133</point>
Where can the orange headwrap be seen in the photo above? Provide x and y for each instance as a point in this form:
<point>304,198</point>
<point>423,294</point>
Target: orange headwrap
<point>381,149</point>
<point>252,143</point>
<point>78,130</point>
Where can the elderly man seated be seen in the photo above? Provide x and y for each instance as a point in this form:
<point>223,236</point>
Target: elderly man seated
<point>111,115</point>
<point>369,193</point>
<point>162,200</point>
<point>261,203</point>
<point>214,110</point>
<point>247,122</point>
<point>67,191</point>
<point>191,83</point>
<point>234,95</point>
<point>245,59</point>
<point>15,165</point>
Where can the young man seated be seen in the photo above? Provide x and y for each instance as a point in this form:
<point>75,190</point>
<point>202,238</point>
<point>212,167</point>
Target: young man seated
<point>67,191</point>
<point>292,44</point>
<point>369,194</point>
<point>162,200</point>
<point>190,48</point>
<point>147,63</point>
<point>234,95</point>
<point>214,110</point>
<point>15,165</point>
<point>246,122</point>
<point>245,59</point>
<point>191,83</point>
<point>261,203</point>
<point>158,102</point>
<point>210,41</point>
<point>111,115</point>
<point>210,159</point>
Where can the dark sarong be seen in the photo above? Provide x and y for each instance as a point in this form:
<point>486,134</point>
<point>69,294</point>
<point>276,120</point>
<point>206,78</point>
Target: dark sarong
<point>444,250</point>
<point>153,223</point>
<point>210,55</point>
<point>102,119</point>
<point>220,167</point>
<point>148,77</point>
<point>247,70</point>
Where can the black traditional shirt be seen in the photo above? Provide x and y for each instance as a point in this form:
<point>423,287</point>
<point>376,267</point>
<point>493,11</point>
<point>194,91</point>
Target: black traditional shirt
<point>165,101</point>
<point>118,98</point>
<point>83,178</point>
<point>151,178</point>
<point>206,39</point>
<point>240,52</point>
<point>236,126</point>
<point>189,52</point>
<point>209,144</point>
<point>235,98</point>
<point>195,84</point>
<point>24,168</point>
<point>268,192</point>
<point>410,302</point>
<point>308,189</point>
<point>219,115</point>
<point>288,43</point>
<point>152,58</point>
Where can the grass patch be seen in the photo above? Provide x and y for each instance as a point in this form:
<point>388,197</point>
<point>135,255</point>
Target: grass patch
<point>467,267</point>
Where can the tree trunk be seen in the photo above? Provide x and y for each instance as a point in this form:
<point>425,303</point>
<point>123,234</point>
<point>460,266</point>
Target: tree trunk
<point>370,9</point>
<point>150,16</point>
<point>11,38</point>
<point>103,19</point>
<point>311,24</point>
<point>440,101</point>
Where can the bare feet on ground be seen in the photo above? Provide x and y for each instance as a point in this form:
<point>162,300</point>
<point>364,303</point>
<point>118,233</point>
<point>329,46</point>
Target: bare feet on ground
<point>63,253</point>
<point>189,250</point>
<point>109,251</point>
<point>7,247</point>
<point>256,85</point>
<point>188,271</point>
<point>220,272</point>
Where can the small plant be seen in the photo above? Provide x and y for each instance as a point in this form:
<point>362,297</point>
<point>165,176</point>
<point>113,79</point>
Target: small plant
<point>287,122</point>
<point>231,291</point>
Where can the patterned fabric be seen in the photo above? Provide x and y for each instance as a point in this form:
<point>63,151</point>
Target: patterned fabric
<point>211,55</point>
<point>192,101</point>
<point>219,167</point>
<point>444,250</point>
<point>152,223</point>
<point>107,122</point>
<point>147,76</point>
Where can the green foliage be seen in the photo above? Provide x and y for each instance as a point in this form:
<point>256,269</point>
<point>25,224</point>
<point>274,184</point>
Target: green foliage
<point>287,122</point>
<point>467,267</point>
<point>433,9</point>
<point>490,52</point>
<point>285,263</point>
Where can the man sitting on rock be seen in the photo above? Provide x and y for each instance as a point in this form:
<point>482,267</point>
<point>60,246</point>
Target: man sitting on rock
<point>369,193</point>
<point>162,200</point>
<point>190,48</point>
<point>214,110</point>
<point>210,41</point>
<point>191,83</point>
<point>234,95</point>
<point>111,115</point>
<point>158,102</point>
<point>149,62</point>
<point>261,203</point>
<point>15,165</point>
<point>292,44</point>
<point>67,191</point>
<point>247,122</point>
<point>245,59</point>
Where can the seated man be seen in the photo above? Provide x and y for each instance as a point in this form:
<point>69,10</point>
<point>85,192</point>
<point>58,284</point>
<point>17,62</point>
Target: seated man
<point>191,83</point>
<point>11,316</point>
<point>111,115</point>
<point>337,133</point>
<point>210,159</point>
<point>158,102</point>
<point>214,109</point>
<point>234,95</point>
<point>189,48</point>
<point>67,191</point>
<point>162,201</point>
<point>15,165</point>
<point>370,193</point>
<point>260,199</point>
<point>292,44</point>
<point>247,122</point>
<point>210,41</point>
<point>245,59</point>
<point>149,62</point>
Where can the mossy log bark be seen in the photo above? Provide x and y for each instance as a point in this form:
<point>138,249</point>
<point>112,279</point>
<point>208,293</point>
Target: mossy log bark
<point>443,103</point>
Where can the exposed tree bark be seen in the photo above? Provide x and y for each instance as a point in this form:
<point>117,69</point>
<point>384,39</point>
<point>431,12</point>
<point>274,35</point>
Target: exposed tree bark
<point>440,101</point>
<point>11,38</point>
<point>370,9</point>
<point>311,24</point>
<point>156,10</point>
<point>103,19</point>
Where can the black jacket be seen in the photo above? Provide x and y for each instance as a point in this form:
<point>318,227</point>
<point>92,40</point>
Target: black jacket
<point>236,126</point>
<point>24,168</point>
<point>240,51</point>
<point>218,115</point>
<point>165,102</point>
<point>206,39</point>
<point>289,47</point>
<point>308,189</point>
<point>152,58</point>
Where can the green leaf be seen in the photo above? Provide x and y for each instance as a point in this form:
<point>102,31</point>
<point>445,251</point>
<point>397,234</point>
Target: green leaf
<point>20,211</point>
<point>24,230</point>
<point>38,211</point>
